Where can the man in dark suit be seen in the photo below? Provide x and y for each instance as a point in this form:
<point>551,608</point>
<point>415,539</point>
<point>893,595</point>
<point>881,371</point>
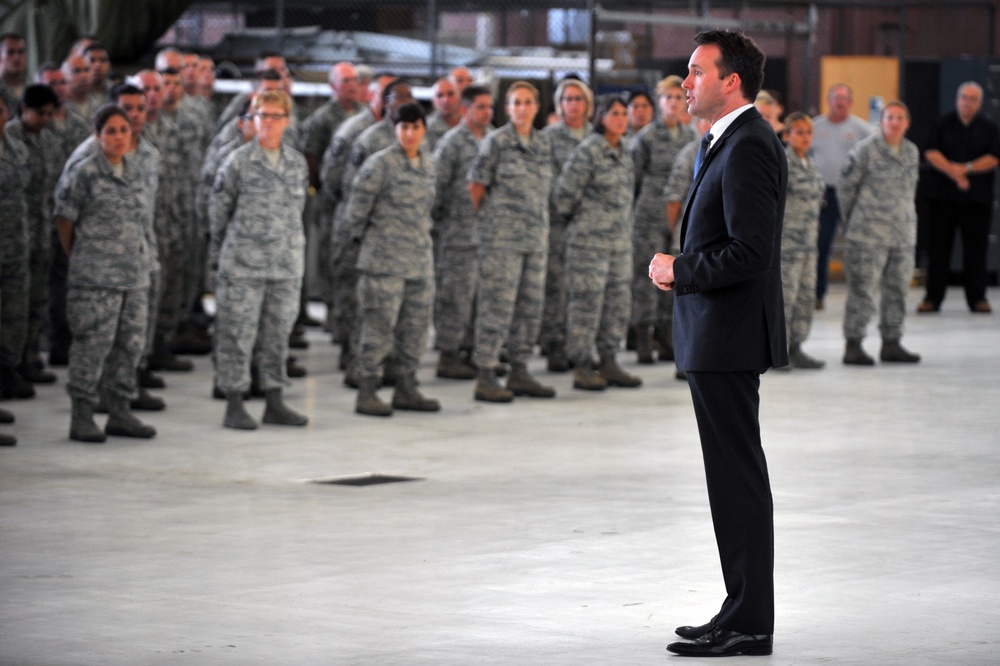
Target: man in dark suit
<point>729,328</point>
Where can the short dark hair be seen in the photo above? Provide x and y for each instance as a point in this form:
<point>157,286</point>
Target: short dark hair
<point>16,36</point>
<point>268,75</point>
<point>605,104</point>
<point>740,55</point>
<point>470,93</point>
<point>410,112</point>
<point>124,89</point>
<point>389,87</point>
<point>94,46</point>
<point>37,95</point>
<point>47,66</point>
<point>106,113</point>
<point>636,94</point>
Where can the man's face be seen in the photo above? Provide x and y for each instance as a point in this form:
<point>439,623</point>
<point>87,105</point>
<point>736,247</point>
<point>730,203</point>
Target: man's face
<point>461,77</point>
<point>969,101</point>
<point>77,71</point>
<point>705,89</point>
<point>152,85</point>
<point>479,114</point>
<point>278,64</point>
<point>206,74</point>
<point>400,95</point>
<point>446,100</point>
<point>574,105</point>
<point>190,70</point>
<point>100,65</point>
<point>135,108</point>
<point>13,57</point>
<point>35,120</point>
<point>894,124</point>
<point>55,79</point>
<point>344,81</point>
<point>173,91</point>
<point>840,102</point>
<point>169,60</point>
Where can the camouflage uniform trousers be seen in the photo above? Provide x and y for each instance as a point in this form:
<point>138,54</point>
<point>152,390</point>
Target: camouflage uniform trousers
<point>554,312</point>
<point>13,302</point>
<point>509,304</point>
<point>253,321</point>
<point>395,320</point>
<point>195,256</point>
<point>649,305</point>
<point>324,248</point>
<point>173,260</point>
<point>458,270</point>
<point>109,333</point>
<point>39,265</point>
<point>599,301</point>
<point>344,273</point>
<point>798,282</point>
<point>872,269</point>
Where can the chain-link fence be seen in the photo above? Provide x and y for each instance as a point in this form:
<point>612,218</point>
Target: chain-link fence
<point>613,45</point>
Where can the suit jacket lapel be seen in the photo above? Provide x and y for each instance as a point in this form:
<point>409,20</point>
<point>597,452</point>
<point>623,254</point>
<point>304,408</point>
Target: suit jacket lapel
<point>716,148</point>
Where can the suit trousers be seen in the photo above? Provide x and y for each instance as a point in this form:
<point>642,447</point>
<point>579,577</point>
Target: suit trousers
<point>726,406</point>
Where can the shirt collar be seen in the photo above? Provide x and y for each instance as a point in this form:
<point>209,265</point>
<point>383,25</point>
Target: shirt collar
<point>720,126</point>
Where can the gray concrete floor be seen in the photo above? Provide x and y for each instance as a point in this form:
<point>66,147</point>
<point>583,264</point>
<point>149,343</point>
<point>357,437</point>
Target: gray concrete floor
<point>572,531</point>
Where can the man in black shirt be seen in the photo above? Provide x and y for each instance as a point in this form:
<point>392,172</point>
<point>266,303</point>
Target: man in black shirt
<point>963,150</point>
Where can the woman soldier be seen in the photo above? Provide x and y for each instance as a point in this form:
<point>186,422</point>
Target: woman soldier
<point>102,212</point>
<point>258,250</point>
<point>594,193</point>
<point>389,216</point>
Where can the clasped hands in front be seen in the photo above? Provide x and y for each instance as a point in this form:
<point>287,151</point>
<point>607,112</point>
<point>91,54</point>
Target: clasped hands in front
<point>661,271</point>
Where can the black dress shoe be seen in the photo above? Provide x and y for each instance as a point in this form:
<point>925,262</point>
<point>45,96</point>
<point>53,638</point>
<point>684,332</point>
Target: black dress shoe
<point>692,633</point>
<point>721,642</point>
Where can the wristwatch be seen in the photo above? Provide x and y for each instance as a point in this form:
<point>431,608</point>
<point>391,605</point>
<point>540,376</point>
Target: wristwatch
<point>968,167</point>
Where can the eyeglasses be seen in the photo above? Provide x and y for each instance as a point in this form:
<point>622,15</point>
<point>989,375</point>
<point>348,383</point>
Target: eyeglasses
<point>271,116</point>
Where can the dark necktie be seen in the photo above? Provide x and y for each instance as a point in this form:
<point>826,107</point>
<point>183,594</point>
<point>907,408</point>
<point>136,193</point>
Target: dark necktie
<point>702,153</point>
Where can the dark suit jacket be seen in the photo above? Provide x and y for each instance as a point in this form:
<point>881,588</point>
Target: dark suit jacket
<point>729,312</point>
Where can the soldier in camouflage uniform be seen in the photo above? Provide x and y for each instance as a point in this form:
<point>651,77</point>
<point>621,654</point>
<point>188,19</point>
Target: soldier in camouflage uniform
<point>575,104</point>
<point>878,186</point>
<point>799,238</point>
<point>388,217</point>
<point>454,220</point>
<point>373,139</point>
<point>14,250</point>
<point>511,181</point>
<point>447,111</point>
<point>36,109</point>
<point>594,194</point>
<point>104,211</point>
<point>259,248</point>
<point>341,260</point>
<point>13,69</point>
<point>173,227</point>
<point>72,129</point>
<point>653,151</point>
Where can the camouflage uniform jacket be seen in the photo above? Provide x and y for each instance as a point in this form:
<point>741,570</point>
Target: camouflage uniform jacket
<point>514,212</point>
<point>255,213</point>
<point>175,187</point>
<point>653,150</point>
<point>682,173</point>
<point>111,222</point>
<point>379,136</point>
<point>877,193</point>
<point>13,205</point>
<point>453,210</point>
<point>318,128</point>
<point>564,142</point>
<point>44,162</point>
<point>594,193</point>
<point>335,158</point>
<point>389,214</point>
<point>72,131</point>
<point>805,197</point>
<point>209,170</point>
<point>436,129</point>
